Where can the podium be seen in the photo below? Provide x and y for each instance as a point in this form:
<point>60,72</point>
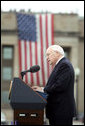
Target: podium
<point>27,104</point>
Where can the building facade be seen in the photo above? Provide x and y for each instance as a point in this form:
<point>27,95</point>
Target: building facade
<point>68,32</point>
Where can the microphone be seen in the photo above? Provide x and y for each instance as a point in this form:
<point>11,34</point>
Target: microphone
<point>32,69</point>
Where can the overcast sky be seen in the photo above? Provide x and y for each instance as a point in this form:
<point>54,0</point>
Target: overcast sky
<point>50,6</point>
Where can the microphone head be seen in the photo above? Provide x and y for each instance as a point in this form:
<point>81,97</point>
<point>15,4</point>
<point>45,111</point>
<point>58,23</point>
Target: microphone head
<point>34,68</point>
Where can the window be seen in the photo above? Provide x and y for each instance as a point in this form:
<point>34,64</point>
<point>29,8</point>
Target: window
<point>67,52</point>
<point>4,97</point>
<point>7,53</point>
<point>7,66</point>
<point>7,73</point>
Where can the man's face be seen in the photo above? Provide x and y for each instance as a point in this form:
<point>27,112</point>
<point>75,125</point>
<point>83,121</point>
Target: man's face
<point>52,56</point>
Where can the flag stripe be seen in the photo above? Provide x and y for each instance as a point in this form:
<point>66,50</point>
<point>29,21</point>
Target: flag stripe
<point>23,56</point>
<point>44,45</point>
<point>52,29</point>
<point>20,63</point>
<point>36,62</point>
<point>39,47</point>
<point>52,25</point>
<point>42,65</point>
<point>28,61</point>
<point>50,35</point>
<point>31,62</point>
<point>47,43</point>
<point>25,61</point>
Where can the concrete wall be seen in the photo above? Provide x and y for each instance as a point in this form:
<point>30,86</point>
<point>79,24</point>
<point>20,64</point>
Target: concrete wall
<point>66,22</point>
<point>8,21</point>
<point>81,65</point>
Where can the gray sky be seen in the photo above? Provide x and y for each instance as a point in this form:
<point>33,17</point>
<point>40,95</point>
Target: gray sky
<point>51,6</point>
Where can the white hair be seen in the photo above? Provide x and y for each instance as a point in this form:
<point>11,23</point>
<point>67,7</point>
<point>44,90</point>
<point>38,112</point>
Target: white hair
<point>57,48</point>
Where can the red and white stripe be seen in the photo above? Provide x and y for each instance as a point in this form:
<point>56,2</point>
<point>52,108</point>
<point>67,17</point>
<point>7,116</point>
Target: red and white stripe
<point>34,53</point>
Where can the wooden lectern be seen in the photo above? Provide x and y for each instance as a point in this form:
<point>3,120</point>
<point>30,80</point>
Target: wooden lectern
<point>27,104</point>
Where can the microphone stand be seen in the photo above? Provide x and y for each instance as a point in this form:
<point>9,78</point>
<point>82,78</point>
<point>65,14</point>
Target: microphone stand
<point>22,74</point>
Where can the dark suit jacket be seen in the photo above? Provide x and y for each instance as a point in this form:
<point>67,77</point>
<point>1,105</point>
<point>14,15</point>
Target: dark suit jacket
<point>60,87</point>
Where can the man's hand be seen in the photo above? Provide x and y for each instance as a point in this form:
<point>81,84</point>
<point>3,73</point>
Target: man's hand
<point>37,88</point>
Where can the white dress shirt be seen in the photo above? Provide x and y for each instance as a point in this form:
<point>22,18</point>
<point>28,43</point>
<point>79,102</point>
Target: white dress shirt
<point>59,60</point>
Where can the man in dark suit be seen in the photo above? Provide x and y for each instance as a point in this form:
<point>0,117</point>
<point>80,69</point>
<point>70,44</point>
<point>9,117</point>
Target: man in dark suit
<point>60,108</point>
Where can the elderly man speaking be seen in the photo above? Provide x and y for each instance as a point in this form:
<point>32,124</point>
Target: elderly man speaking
<point>60,108</point>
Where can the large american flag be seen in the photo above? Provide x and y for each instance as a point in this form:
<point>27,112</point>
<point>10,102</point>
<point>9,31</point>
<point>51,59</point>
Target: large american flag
<point>35,33</point>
